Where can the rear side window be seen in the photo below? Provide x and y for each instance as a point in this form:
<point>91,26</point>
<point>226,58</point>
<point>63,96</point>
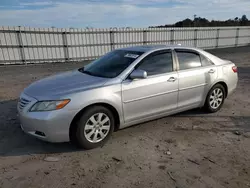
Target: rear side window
<point>205,61</point>
<point>157,63</point>
<point>188,60</point>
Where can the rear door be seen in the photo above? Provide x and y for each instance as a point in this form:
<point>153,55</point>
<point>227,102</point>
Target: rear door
<point>157,93</point>
<point>195,73</point>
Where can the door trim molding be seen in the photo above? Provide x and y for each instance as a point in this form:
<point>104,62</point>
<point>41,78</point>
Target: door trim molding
<point>200,85</point>
<point>150,96</point>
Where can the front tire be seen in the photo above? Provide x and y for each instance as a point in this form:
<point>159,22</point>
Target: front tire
<point>215,98</point>
<point>94,127</point>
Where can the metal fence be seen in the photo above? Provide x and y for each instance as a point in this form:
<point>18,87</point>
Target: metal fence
<point>21,45</point>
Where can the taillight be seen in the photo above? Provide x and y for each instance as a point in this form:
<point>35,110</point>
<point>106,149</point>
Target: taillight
<point>234,68</point>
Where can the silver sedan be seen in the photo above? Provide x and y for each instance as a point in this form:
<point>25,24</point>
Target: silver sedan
<point>122,88</point>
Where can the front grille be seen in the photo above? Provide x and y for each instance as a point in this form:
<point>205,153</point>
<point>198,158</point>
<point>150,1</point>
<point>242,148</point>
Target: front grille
<point>22,103</point>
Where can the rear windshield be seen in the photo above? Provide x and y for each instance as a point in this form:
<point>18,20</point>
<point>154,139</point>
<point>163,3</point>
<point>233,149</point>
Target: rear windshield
<point>112,64</point>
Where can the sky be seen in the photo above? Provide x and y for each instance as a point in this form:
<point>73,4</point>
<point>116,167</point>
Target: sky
<point>115,13</point>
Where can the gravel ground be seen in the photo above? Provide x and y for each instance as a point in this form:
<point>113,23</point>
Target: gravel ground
<point>190,149</point>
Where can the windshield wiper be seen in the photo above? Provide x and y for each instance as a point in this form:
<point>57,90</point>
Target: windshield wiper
<point>81,69</point>
<point>90,73</point>
<point>85,72</point>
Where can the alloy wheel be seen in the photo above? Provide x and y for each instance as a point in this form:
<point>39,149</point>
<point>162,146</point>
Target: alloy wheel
<point>97,127</point>
<point>216,98</point>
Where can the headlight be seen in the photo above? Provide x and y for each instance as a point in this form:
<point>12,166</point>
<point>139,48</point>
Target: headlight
<point>49,105</point>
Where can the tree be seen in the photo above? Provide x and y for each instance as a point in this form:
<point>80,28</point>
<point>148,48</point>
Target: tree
<point>203,22</point>
<point>244,20</point>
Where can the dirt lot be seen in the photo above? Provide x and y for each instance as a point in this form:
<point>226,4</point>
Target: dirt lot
<point>191,149</point>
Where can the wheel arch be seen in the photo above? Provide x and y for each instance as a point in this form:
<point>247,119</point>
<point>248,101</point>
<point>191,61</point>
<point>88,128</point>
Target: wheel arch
<point>224,85</point>
<point>114,111</point>
<point>206,105</point>
<point>222,82</point>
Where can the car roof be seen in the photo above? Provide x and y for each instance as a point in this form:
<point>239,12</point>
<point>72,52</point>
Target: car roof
<point>148,48</point>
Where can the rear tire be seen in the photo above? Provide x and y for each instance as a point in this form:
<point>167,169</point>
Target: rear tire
<point>215,98</point>
<point>94,127</point>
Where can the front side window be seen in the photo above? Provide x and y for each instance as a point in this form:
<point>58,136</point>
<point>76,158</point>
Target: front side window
<point>157,63</point>
<point>111,64</point>
<point>188,60</point>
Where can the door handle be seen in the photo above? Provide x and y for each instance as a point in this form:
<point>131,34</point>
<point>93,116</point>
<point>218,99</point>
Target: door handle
<point>211,71</point>
<point>172,79</point>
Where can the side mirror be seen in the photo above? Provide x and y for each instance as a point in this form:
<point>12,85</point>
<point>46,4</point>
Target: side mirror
<point>138,74</point>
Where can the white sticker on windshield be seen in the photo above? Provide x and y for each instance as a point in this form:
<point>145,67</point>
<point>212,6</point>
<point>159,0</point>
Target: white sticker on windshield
<point>132,56</point>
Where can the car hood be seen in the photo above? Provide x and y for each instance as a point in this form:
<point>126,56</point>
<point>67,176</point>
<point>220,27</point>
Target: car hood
<point>63,84</point>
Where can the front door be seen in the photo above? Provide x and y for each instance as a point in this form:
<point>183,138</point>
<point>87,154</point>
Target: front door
<point>157,93</point>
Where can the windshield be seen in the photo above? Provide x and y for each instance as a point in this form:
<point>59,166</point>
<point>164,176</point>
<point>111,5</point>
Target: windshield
<point>112,64</point>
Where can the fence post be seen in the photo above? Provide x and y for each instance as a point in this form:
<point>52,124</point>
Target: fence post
<point>21,46</point>
<point>217,38</point>
<point>172,36</point>
<point>144,37</point>
<point>111,35</point>
<point>249,36</point>
<point>195,37</point>
<point>237,37</point>
<point>65,45</point>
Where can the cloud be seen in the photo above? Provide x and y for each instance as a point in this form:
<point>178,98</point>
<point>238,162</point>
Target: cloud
<point>43,3</point>
<point>99,14</point>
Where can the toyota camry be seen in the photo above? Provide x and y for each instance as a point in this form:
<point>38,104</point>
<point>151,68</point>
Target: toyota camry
<point>122,88</point>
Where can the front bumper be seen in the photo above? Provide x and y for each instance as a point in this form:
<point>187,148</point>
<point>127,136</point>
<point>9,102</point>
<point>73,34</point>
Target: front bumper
<point>51,126</point>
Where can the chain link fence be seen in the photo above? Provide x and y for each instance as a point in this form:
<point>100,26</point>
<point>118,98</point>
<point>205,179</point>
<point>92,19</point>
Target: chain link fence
<point>22,45</point>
